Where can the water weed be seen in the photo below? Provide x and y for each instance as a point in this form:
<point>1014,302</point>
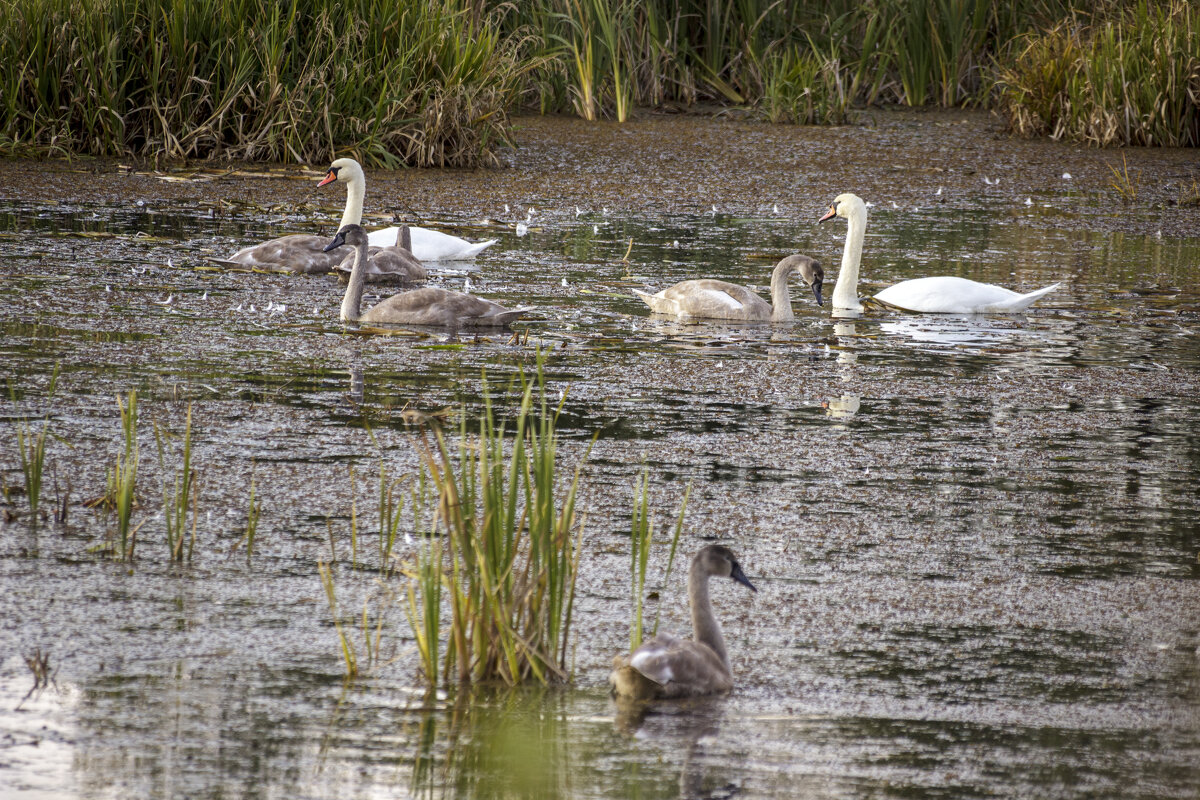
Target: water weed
<point>178,495</point>
<point>493,600</point>
<point>122,481</point>
<point>1124,184</point>
<point>32,449</point>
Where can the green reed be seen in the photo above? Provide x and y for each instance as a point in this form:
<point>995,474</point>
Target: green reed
<point>253,511</point>
<point>1120,79</point>
<point>499,587</point>
<point>349,652</point>
<point>390,83</point>
<point>178,495</point>
<point>122,480</point>
<point>641,538</point>
<point>32,449</point>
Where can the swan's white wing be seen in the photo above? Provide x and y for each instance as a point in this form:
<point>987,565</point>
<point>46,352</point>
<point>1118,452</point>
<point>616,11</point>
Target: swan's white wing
<point>709,299</point>
<point>953,295</point>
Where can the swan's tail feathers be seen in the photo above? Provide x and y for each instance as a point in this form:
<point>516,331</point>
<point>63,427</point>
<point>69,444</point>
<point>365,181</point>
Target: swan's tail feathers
<point>477,248</point>
<point>1024,301</point>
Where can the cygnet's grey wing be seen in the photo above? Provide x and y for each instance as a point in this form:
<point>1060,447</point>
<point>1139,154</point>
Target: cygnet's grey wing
<point>299,252</point>
<point>681,666</point>
<point>710,299</point>
<point>386,265</point>
<point>434,306</point>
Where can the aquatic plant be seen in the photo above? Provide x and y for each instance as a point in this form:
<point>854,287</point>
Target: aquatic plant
<point>176,496</point>
<point>349,653</point>
<point>641,540</point>
<point>1125,185</point>
<point>32,450</point>
<point>506,566</point>
<point>122,480</point>
<point>426,84</point>
<point>1129,77</point>
<point>253,511</point>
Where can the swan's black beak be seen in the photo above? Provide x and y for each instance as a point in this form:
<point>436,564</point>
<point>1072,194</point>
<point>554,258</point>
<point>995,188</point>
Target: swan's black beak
<point>337,242</point>
<point>816,287</point>
<point>830,214</point>
<point>329,178</point>
<point>739,576</point>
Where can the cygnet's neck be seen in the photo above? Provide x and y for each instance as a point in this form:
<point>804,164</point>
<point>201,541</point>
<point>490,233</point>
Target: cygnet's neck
<point>845,291</point>
<point>781,300</point>
<point>352,302</point>
<point>356,189</point>
<point>704,625</point>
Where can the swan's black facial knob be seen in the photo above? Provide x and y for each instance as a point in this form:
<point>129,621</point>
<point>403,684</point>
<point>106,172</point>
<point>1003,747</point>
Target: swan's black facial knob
<point>337,242</point>
<point>831,213</point>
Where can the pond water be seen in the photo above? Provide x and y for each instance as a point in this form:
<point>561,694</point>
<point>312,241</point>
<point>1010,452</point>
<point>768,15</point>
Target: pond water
<point>974,538</point>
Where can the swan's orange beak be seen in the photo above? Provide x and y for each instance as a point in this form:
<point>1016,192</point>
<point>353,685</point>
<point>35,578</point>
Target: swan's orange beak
<point>830,214</point>
<point>329,178</point>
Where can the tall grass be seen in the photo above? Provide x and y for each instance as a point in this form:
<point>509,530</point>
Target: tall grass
<point>32,450</point>
<point>405,82</point>
<point>432,84</point>
<point>491,600</point>
<point>1129,78</point>
<point>178,495</point>
<point>122,480</point>
<point>641,539</point>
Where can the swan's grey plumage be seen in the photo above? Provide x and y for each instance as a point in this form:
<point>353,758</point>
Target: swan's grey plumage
<point>393,264</point>
<point>428,306</point>
<point>936,295</point>
<point>712,299</point>
<point>668,666</point>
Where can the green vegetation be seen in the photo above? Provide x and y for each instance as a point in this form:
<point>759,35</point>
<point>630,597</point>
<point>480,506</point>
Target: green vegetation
<point>1129,78</point>
<point>641,532</point>
<point>122,481</point>
<point>491,595</point>
<point>433,84</point>
<point>32,448</point>
<point>176,497</point>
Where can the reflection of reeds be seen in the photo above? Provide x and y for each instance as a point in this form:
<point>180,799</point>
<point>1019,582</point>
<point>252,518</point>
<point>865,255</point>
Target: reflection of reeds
<point>32,448</point>
<point>179,494</point>
<point>507,566</point>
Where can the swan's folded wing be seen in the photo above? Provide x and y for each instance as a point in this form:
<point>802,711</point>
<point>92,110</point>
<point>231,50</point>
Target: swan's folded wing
<point>681,666</point>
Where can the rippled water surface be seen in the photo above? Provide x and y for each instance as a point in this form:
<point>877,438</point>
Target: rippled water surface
<point>975,538</point>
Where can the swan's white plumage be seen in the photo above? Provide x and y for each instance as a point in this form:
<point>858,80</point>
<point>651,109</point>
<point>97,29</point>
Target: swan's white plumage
<point>935,295</point>
<point>431,245</point>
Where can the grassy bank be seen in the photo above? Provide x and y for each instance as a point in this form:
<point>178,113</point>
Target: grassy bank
<point>432,84</point>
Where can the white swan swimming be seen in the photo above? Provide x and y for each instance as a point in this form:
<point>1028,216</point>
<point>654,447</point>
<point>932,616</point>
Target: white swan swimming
<point>428,306</point>
<point>305,252</point>
<point>712,299</point>
<point>939,295</point>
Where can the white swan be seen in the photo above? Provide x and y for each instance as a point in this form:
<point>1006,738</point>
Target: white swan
<point>431,245</point>
<point>940,295</point>
<point>710,299</point>
<point>428,306</point>
<point>306,253</point>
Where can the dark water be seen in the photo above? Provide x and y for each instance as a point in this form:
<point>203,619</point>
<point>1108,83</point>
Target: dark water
<point>975,538</point>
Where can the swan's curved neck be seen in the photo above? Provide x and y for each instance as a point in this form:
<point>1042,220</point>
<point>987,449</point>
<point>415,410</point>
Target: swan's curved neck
<point>356,190</point>
<point>781,301</point>
<point>845,291</point>
<point>352,302</point>
<point>704,625</point>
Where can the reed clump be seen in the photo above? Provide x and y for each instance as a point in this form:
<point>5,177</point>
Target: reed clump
<point>178,495</point>
<point>641,534</point>
<point>426,84</point>
<point>1129,77</point>
<point>491,593</point>
<point>32,449</point>
<point>122,481</point>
